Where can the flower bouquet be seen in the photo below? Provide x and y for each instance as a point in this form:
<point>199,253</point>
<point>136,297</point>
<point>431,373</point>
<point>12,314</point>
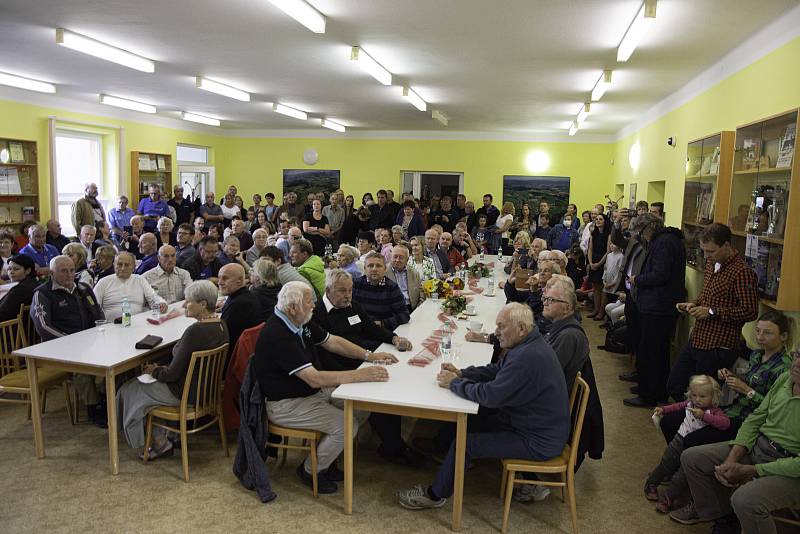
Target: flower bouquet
<point>442,289</point>
<point>479,270</point>
<point>454,305</point>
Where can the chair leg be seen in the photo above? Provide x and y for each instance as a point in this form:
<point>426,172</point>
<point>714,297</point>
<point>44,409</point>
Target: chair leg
<point>503,483</point>
<point>222,434</point>
<point>564,487</point>
<point>510,476</point>
<point>285,450</point>
<point>314,467</point>
<point>68,403</point>
<point>44,401</point>
<point>185,450</point>
<point>29,408</point>
<point>148,438</point>
<point>573,508</point>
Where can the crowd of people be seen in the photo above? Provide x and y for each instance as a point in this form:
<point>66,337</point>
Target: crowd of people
<point>330,281</point>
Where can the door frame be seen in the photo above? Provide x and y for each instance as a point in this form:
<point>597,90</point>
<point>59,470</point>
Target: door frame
<point>417,180</point>
<point>200,168</point>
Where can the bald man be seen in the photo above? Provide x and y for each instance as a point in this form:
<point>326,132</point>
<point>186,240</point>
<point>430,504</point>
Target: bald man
<point>242,309</point>
<point>148,248</point>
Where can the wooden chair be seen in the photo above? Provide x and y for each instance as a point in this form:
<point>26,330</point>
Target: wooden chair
<point>564,464</point>
<point>309,438</point>
<point>204,377</point>
<point>789,516</point>
<point>31,336</point>
<point>14,379</point>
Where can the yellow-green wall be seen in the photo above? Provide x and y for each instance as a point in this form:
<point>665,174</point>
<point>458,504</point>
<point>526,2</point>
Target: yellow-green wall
<point>256,164</point>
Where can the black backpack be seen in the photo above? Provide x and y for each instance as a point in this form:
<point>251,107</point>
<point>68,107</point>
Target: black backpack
<point>617,338</point>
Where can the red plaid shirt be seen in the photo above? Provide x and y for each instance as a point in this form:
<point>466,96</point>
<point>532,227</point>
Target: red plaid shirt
<point>732,293</point>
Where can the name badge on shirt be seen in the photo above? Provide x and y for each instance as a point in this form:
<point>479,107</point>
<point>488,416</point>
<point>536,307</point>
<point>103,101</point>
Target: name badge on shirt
<point>354,320</point>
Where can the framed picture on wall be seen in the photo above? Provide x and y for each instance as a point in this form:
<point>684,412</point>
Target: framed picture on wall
<point>305,181</point>
<point>534,189</point>
<point>632,198</point>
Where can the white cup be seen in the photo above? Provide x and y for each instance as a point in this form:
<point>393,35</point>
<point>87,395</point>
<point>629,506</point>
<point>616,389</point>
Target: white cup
<point>471,309</point>
<point>475,326</point>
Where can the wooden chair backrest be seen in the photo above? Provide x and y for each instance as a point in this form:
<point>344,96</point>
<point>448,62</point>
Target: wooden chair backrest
<point>10,340</point>
<point>204,377</point>
<point>28,330</point>
<point>578,400</point>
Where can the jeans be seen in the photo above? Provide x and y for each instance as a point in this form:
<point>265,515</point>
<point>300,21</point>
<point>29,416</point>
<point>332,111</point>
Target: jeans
<point>752,502</point>
<point>692,361</point>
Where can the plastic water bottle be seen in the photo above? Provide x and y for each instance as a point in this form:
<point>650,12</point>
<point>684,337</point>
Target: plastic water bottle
<point>126,312</point>
<point>481,255</point>
<point>500,254</point>
<point>446,346</point>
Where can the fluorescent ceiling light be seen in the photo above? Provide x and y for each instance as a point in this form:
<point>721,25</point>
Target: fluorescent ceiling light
<point>26,83</point>
<point>414,98</point>
<point>333,125</point>
<point>222,89</point>
<point>372,67</point>
<point>601,86</point>
<point>583,113</point>
<point>87,45</point>
<point>636,30</point>
<point>573,128</point>
<point>202,119</point>
<point>290,112</point>
<point>127,104</point>
<point>303,13</point>
<point>439,117</point>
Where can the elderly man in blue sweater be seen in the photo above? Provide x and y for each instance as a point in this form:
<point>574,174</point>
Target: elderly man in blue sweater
<point>528,395</point>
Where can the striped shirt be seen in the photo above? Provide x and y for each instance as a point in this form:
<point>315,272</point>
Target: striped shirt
<point>383,301</point>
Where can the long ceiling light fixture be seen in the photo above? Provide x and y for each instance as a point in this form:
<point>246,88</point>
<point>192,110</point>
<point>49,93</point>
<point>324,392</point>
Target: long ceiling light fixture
<point>26,83</point>
<point>127,104</point>
<point>573,128</point>
<point>583,113</point>
<point>414,98</point>
<point>290,112</point>
<point>439,117</point>
<point>601,86</point>
<point>371,66</point>
<point>640,24</point>
<point>202,119</point>
<point>333,125</point>
<point>222,89</point>
<point>303,13</point>
<point>95,48</point>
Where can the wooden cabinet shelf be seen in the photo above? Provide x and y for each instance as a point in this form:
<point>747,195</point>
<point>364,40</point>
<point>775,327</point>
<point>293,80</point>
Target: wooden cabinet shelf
<point>766,203</point>
<point>19,197</point>
<point>148,168</point>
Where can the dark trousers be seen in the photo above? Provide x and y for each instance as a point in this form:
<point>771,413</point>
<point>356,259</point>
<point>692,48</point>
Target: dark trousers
<point>692,361</point>
<point>388,427</point>
<point>485,439</point>
<point>670,467</point>
<point>652,356</point>
<point>632,323</point>
<point>671,422</point>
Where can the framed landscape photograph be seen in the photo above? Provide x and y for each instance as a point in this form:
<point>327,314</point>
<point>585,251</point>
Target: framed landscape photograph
<point>533,189</point>
<point>305,181</point>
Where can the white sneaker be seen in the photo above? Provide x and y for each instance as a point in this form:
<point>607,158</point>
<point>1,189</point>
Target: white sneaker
<point>531,492</point>
<point>417,498</point>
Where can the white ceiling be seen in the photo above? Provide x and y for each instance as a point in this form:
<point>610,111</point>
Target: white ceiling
<point>503,66</point>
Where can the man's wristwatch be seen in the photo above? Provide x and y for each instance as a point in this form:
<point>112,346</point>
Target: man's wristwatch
<point>751,394</point>
<point>366,355</point>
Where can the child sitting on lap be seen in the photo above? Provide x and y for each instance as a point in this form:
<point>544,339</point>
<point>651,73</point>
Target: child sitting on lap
<point>702,408</point>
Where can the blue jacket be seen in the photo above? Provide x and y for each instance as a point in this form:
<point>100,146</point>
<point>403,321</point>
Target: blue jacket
<point>528,390</point>
<point>661,282</point>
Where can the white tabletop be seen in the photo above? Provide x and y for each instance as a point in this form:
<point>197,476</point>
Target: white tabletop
<point>109,348</point>
<point>416,387</point>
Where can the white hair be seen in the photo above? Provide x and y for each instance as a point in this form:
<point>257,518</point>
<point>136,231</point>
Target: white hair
<point>202,290</point>
<point>566,288</point>
<point>335,276</point>
<point>521,315</point>
<point>292,293</point>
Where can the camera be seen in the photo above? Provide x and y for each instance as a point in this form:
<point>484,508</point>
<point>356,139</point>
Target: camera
<point>672,141</point>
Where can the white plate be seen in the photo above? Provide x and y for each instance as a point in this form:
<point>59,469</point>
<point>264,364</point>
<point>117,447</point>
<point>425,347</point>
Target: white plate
<point>146,379</point>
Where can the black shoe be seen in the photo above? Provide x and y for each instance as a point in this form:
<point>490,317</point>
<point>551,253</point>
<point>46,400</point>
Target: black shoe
<point>428,448</point>
<point>98,415</point>
<point>629,377</point>
<point>407,458</point>
<point>727,525</point>
<point>323,484</point>
<point>333,473</point>
<point>634,390</point>
<point>638,402</point>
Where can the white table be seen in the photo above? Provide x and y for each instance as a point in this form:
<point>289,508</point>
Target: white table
<point>105,354</point>
<point>414,392</point>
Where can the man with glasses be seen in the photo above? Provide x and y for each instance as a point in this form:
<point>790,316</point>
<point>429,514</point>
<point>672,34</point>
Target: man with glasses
<point>184,208</point>
<point>185,249</point>
<point>119,219</point>
<point>293,235</point>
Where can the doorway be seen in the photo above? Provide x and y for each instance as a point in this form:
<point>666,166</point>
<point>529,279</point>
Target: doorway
<point>425,184</point>
<point>197,181</point>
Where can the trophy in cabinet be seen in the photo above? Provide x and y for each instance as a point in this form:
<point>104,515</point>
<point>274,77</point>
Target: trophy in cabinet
<point>775,197</point>
<point>754,215</point>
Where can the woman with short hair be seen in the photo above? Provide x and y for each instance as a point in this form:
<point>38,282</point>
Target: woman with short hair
<point>135,399</point>
<point>265,285</point>
<point>347,257</point>
<point>77,253</point>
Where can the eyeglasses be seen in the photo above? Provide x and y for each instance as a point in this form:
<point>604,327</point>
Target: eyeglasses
<point>548,300</point>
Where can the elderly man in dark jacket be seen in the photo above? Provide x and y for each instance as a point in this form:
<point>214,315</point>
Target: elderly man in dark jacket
<point>659,287</point>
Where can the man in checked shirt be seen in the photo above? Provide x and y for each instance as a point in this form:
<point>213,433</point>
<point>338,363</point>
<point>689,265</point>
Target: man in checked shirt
<point>728,300</point>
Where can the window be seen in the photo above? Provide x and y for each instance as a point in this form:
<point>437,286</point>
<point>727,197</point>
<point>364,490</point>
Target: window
<point>79,161</point>
<point>192,154</point>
